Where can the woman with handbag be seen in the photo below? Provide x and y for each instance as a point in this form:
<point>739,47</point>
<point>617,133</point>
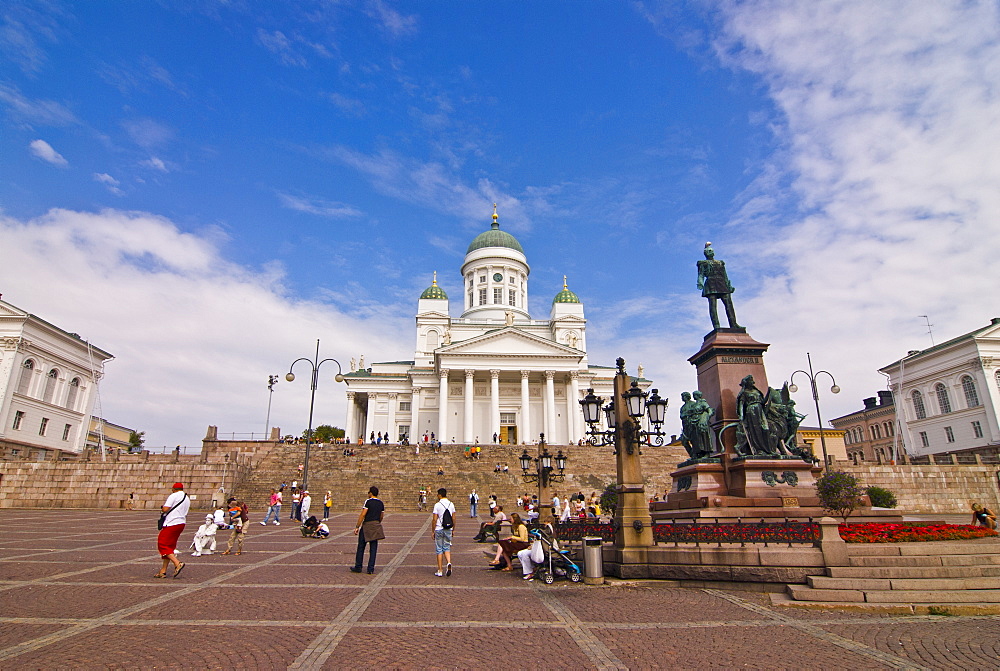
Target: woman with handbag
<point>369,530</point>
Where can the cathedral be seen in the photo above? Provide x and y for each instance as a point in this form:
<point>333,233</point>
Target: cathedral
<point>491,372</point>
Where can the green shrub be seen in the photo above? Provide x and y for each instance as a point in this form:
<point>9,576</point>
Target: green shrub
<point>881,498</point>
<point>839,493</point>
<point>609,500</point>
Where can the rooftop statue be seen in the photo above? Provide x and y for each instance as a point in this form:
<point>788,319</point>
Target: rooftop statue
<point>714,284</point>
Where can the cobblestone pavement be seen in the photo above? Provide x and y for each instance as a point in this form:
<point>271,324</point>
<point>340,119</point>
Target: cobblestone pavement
<point>77,591</point>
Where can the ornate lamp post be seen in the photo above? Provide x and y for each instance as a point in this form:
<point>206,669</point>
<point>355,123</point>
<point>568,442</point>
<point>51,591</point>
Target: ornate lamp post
<point>633,524</point>
<point>339,377</point>
<point>271,381</point>
<point>543,474</point>
<point>815,392</point>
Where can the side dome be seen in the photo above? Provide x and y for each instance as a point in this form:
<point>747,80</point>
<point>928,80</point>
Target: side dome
<point>434,292</point>
<point>566,296</point>
<point>494,238</point>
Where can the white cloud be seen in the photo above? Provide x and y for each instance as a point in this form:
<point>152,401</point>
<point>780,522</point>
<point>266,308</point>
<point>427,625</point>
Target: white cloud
<point>110,182</point>
<point>35,112</point>
<point>890,119</point>
<point>396,24</point>
<point>155,163</point>
<point>44,151</point>
<point>148,133</point>
<point>323,208</point>
<point>194,335</point>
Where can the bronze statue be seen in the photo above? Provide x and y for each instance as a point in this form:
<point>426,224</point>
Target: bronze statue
<point>753,417</point>
<point>696,432</point>
<point>714,284</point>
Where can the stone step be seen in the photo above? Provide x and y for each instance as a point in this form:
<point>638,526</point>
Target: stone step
<point>969,547</point>
<point>911,584</point>
<point>806,593</point>
<point>914,571</point>
<point>932,596</point>
<point>889,608</point>
<point>895,561</point>
<point>970,560</point>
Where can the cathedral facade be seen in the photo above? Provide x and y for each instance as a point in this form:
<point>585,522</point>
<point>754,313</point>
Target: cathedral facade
<point>492,371</point>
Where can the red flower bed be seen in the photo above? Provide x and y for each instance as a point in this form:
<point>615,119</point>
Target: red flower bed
<point>901,533</point>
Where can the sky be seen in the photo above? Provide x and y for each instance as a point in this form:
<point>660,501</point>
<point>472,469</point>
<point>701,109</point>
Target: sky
<point>205,188</point>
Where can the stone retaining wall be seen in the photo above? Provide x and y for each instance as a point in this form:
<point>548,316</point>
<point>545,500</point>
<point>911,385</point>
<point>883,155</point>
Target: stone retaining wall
<point>933,488</point>
<point>96,484</point>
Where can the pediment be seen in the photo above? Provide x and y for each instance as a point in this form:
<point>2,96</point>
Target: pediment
<point>508,341</point>
<point>10,311</point>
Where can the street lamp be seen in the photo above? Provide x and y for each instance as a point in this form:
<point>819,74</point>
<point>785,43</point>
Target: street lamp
<point>271,381</point>
<point>638,404</point>
<point>543,474</point>
<point>815,392</point>
<point>339,377</point>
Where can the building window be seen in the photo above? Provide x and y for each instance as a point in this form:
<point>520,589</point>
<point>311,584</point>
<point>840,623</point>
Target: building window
<point>470,281</point>
<point>977,429</point>
<point>944,403</point>
<point>470,298</point>
<point>971,396</point>
<point>512,298</point>
<point>404,406</point>
<point>875,431</point>
<point>74,390</point>
<point>50,385</point>
<point>497,296</point>
<point>847,438</point>
<point>482,296</point>
<point>508,418</point>
<point>43,427</point>
<point>482,279</point>
<point>511,278</point>
<point>949,434</point>
<point>858,435</point>
<point>888,429</point>
<point>18,418</point>
<point>404,431</point>
<point>27,368</point>
<point>996,376</point>
<point>923,439</point>
<point>918,405</point>
<point>66,430</point>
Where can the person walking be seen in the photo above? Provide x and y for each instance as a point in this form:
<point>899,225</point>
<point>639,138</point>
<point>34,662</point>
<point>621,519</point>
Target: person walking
<point>238,520</point>
<point>369,530</point>
<point>175,510</point>
<point>304,506</point>
<point>327,504</point>
<point>273,508</point>
<point>444,526</point>
<point>473,504</point>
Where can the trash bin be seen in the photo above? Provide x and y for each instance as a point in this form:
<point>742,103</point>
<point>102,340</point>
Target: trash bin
<point>593,560</point>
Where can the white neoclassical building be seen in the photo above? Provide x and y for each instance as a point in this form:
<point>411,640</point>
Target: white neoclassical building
<point>48,380</point>
<point>948,396</point>
<point>491,371</point>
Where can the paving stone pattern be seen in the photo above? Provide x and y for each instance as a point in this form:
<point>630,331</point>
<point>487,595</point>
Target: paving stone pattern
<point>76,591</point>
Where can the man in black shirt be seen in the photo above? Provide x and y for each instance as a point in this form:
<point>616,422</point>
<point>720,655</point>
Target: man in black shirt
<point>368,533</point>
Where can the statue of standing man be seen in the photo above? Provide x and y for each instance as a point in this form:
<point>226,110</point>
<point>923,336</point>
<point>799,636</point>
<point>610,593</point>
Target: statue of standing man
<point>714,284</point>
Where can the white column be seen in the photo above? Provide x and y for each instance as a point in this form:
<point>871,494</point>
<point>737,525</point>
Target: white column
<point>494,403</point>
<point>416,433</point>
<point>525,409</point>
<point>392,418</point>
<point>550,403</point>
<point>468,434</point>
<point>351,415</point>
<point>370,419</point>
<point>442,432</point>
<point>573,414</point>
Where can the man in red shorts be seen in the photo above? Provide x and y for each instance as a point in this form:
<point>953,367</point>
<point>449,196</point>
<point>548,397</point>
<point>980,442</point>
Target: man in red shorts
<point>176,508</point>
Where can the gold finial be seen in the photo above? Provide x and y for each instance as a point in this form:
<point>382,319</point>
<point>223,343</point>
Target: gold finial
<point>435,282</point>
<point>564,283</point>
<point>495,217</point>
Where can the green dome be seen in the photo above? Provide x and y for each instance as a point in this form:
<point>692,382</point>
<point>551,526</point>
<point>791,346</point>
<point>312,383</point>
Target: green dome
<point>434,291</point>
<point>494,238</point>
<point>566,296</point>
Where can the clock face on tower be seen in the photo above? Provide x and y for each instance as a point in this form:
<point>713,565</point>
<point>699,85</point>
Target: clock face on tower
<point>497,277</point>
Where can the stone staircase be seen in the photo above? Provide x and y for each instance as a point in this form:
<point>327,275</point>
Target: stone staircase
<point>943,577</point>
<point>399,473</point>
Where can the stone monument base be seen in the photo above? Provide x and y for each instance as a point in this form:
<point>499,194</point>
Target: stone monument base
<point>751,489</point>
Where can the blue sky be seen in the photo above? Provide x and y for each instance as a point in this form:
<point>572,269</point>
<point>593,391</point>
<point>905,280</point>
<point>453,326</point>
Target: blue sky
<point>205,188</point>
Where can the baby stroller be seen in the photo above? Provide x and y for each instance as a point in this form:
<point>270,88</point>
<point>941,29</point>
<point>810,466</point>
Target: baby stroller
<point>557,562</point>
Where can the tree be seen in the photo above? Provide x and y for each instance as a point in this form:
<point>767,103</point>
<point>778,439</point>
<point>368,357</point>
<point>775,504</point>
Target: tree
<point>136,441</point>
<point>839,493</point>
<point>324,433</point>
<point>609,499</point>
